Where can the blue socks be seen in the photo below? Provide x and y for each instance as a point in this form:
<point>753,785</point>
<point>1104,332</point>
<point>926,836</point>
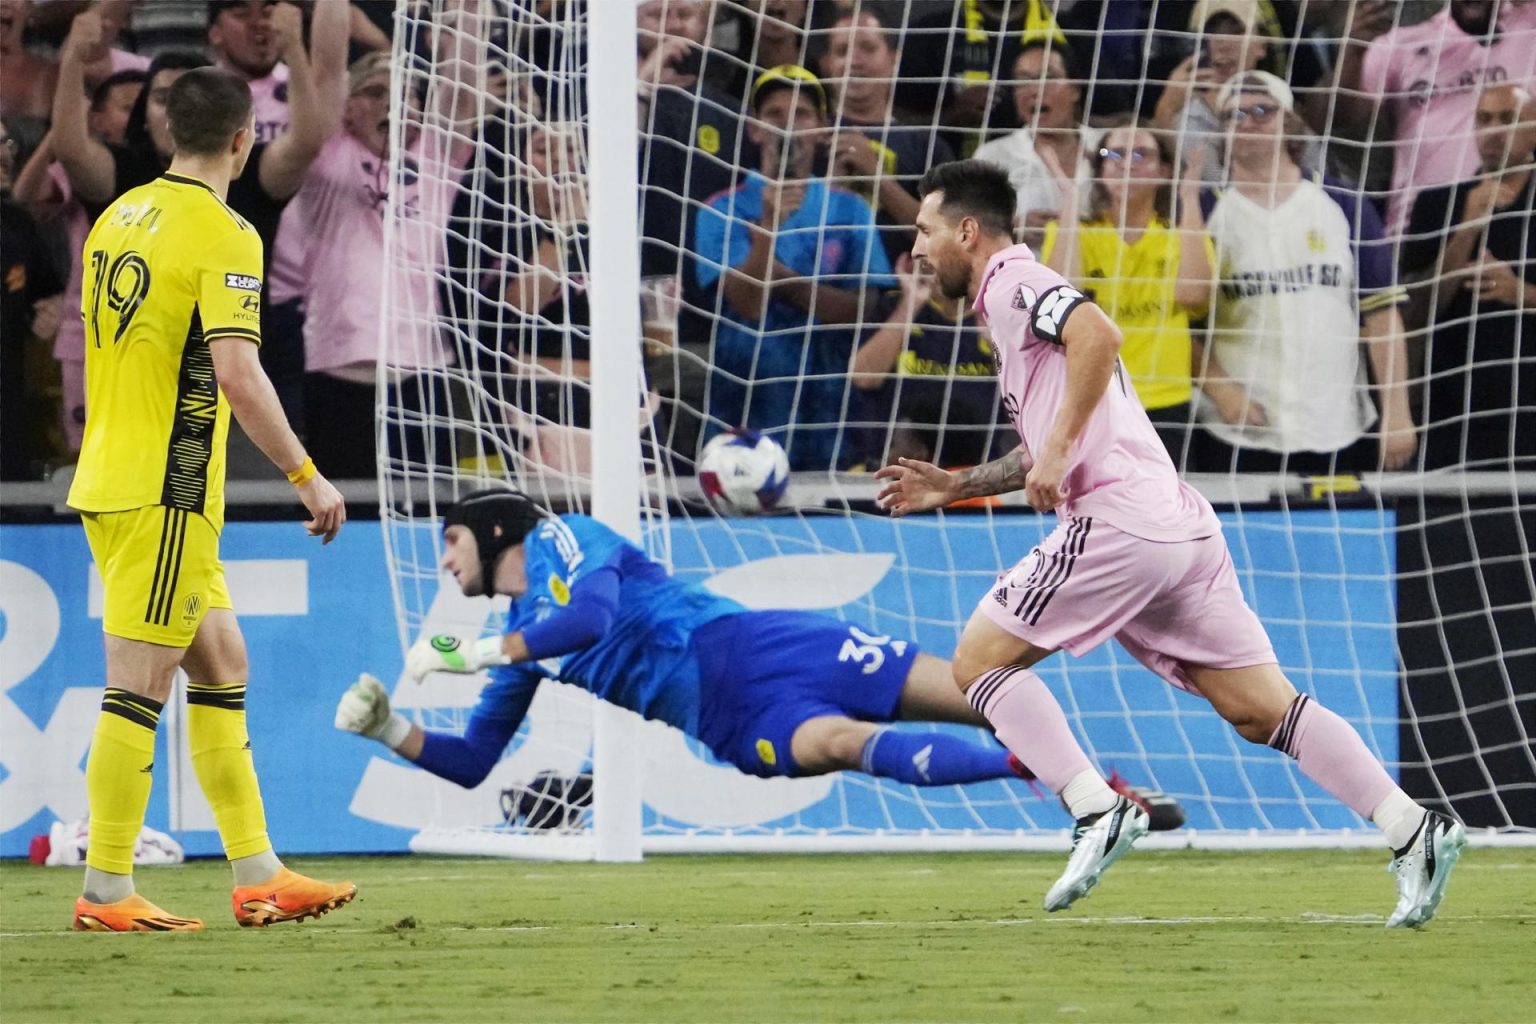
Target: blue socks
<point>933,759</point>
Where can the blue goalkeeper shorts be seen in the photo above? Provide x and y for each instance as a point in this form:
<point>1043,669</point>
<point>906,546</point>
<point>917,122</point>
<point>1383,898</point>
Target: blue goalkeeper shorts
<point>763,674</point>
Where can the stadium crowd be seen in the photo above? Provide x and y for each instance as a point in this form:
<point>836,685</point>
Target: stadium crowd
<point>1312,221</point>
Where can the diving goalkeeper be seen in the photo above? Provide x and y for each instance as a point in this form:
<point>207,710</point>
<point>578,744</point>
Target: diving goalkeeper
<point>775,693</point>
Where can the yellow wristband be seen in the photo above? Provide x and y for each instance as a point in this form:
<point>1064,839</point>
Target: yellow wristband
<point>304,474</point>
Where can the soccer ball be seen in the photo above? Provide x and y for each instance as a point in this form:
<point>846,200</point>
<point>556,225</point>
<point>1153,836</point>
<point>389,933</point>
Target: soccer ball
<point>743,473</point>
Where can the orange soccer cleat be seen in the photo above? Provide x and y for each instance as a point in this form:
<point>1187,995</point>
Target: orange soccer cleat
<point>288,896</point>
<point>130,914</point>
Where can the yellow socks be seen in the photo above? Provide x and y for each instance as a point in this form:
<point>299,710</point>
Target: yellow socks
<point>118,773</point>
<point>221,756</point>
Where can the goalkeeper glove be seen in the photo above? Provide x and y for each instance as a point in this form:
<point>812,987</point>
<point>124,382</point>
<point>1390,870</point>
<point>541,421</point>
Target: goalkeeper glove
<point>364,709</point>
<point>445,653</point>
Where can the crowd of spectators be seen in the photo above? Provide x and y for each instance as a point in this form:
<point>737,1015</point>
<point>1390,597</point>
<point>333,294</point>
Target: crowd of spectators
<point>1312,221</point>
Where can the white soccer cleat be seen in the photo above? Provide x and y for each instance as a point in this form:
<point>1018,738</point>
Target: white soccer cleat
<point>1423,867</point>
<point>364,708</point>
<point>1096,844</point>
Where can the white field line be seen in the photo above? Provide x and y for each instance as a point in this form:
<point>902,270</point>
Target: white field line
<point>1309,917</point>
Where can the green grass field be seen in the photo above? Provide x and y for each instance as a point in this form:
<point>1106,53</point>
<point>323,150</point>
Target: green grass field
<point>1168,936</point>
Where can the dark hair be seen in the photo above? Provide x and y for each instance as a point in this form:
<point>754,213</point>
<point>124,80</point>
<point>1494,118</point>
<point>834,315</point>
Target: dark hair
<point>218,7</point>
<point>890,31</point>
<point>127,76</point>
<point>1098,201</point>
<point>1069,62</point>
<point>137,132</point>
<point>1062,49</point>
<point>205,108</point>
<point>974,188</point>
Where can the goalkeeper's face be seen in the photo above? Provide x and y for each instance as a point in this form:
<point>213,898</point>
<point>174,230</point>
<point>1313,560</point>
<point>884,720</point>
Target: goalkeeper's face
<point>461,558</point>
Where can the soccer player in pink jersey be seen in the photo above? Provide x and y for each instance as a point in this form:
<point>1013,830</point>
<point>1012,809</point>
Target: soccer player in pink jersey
<point>1138,556</point>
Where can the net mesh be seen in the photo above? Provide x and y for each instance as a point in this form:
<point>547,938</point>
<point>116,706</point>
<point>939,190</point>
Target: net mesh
<point>1283,328</point>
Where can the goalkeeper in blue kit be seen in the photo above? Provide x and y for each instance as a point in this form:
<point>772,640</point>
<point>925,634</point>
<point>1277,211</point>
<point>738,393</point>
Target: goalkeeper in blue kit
<point>774,693</point>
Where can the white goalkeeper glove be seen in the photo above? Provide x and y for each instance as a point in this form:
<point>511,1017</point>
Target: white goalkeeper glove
<point>446,653</point>
<point>364,709</point>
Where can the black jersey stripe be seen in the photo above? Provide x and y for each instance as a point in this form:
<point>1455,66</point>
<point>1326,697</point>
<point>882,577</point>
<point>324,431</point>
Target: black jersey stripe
<point>170,591</point>
<point>160,567</point>
<point>190,448</point>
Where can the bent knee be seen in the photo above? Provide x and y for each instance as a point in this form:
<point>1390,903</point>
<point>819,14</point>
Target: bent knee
<point>830,744</point>
<point>845,747</point>
<point>1255,730</point>
<point>967,667</point>
<point>1253,723</point>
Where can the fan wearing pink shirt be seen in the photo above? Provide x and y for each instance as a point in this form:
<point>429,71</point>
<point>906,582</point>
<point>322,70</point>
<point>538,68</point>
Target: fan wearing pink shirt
<point>344,269</point>
<point>244,40</point>
<point>1427,77</point>
<point>1138,556</point>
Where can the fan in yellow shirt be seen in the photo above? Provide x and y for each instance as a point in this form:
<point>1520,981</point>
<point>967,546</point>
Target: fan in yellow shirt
<point>1149,276</point>
<point>172,303</point>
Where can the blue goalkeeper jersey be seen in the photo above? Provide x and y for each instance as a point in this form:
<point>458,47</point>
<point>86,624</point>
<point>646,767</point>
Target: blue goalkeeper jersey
<point>645,661</point>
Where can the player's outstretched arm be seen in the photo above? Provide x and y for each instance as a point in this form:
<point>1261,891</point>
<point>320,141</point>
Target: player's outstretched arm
<point>237,366</point>
<point>445,652</point>
<point>465,760</point>
<point>589,614</point>
<point>915,486</point>
<point>364,709</point>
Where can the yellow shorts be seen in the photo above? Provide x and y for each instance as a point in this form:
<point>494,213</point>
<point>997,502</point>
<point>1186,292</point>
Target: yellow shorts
<point>160,572</point>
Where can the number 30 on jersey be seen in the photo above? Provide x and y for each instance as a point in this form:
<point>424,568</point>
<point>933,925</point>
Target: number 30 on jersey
<point>868,651</point>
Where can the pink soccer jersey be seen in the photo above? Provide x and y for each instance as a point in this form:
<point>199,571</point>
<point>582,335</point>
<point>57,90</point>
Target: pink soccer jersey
<point>269,96</point>
<point>341,204</point>
<point>1119,471</point>
<point>1428,75</point>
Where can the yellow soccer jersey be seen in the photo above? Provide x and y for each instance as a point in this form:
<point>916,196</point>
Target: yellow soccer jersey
<point>167,266</point>
<point>1135,286</point>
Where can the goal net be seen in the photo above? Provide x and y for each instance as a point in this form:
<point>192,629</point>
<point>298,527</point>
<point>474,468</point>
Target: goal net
<point>1287,311</point>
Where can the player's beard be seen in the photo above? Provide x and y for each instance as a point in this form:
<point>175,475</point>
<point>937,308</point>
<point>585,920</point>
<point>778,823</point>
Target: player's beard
<point>954,280</point>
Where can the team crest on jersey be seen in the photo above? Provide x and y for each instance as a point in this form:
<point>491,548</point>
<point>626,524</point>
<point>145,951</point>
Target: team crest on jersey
<point>558,590</point>
<point>1023,297</point>
<point>191,607</point>
<point>242,282</point>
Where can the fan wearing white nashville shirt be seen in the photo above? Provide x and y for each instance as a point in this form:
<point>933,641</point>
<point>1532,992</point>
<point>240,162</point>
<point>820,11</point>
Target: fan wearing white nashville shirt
<point>1138,556</point>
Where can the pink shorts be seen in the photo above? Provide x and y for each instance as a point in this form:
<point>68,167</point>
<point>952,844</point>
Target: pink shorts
<point>1168,603</point>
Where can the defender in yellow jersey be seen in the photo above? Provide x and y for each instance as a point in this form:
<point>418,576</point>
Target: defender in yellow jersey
<point>172,304</point>
<point>151,471</point>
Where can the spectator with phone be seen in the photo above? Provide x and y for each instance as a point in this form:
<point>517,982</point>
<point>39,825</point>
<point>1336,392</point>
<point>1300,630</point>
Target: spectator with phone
<point>793,263</point>
<point>875,151</point>
<point>1231,38</point>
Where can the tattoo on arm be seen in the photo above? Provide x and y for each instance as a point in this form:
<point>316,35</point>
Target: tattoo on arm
<point>996,477</point>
